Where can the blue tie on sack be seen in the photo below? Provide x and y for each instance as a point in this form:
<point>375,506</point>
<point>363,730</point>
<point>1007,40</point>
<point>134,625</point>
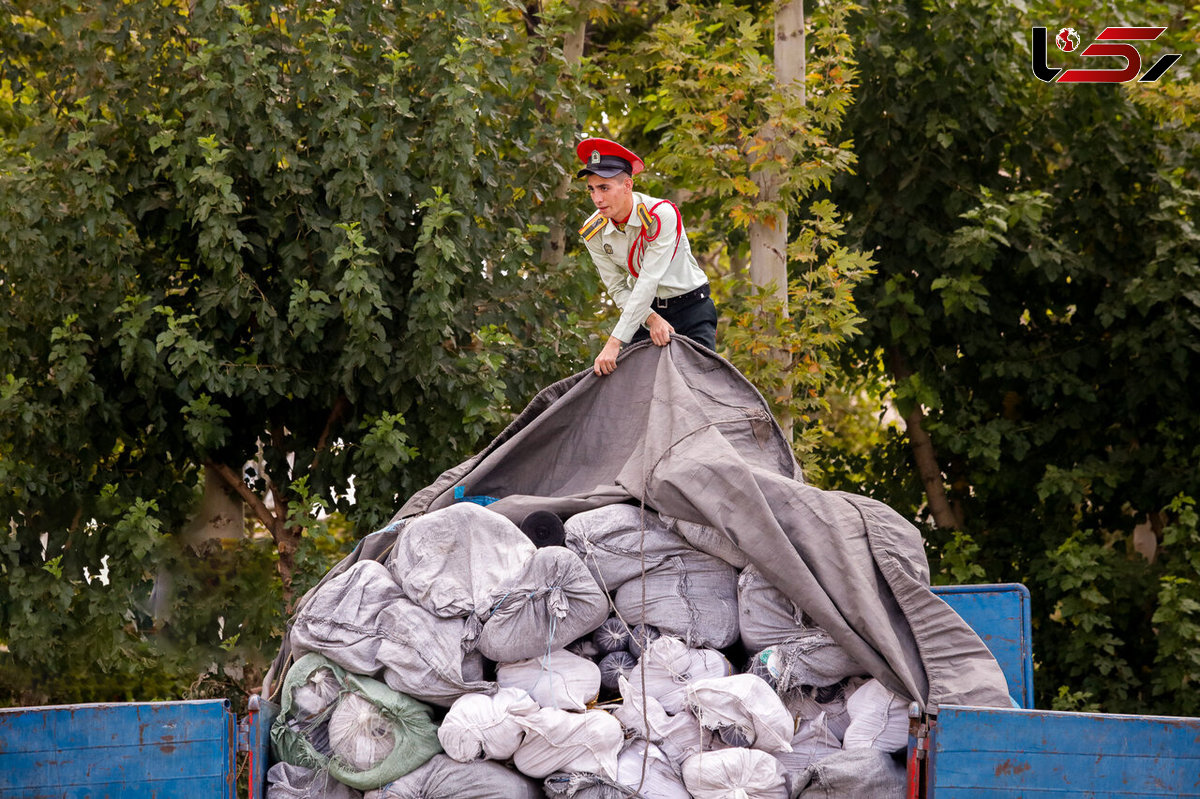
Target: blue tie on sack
<point>460,496</point>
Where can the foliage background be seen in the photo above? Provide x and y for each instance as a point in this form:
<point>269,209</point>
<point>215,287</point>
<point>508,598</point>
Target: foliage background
<point>297,248</point>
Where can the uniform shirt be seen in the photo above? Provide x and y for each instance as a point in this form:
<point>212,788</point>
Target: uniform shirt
<point>662,264</point>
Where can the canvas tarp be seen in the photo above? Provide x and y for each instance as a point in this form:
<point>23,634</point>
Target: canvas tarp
<point>681,431</point>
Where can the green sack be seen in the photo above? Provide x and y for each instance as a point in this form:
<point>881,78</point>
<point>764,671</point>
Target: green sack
<point>413,734</point>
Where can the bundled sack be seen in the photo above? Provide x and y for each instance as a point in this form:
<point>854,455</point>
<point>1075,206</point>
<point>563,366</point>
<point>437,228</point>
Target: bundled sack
<point>747,705</point>
<point>614,666</point>
<point>852,774</point>
<point>617,541</point>
<point>707,539</point>
<point>557,740</point>
<point>809,657</point>
<point>809,702</point>
<point>554,601</point>
<point>643,771</point>
<point>642,766</point>
<point>679,736</point>
<point>444,778</point>
<point>691,595</point>
<point>766,616</point>
<point>558,679</point>
<point>812,742</point>
<point>376,734</point>
<point>734,774</point>
<point>481,726</point>
<point>315,696</point>
<point>285,781</point>
<point>611,636</point>
<point>640,636</point>
<point>878,719</point>
<point>452,561</point>
<point>362,621</point>
<point>668,666</point>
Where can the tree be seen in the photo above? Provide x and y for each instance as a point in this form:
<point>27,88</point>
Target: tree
<point>292,244</point>
<point>1036,314</point>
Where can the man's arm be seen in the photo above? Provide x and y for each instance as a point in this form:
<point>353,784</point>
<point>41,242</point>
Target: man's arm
<point>660,334</point>
<point>612,276</point>
<point>655,263</point>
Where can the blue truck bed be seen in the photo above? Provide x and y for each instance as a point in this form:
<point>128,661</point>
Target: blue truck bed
<point>145,749</point>
<point>189,750</point>
<point>974,752</point>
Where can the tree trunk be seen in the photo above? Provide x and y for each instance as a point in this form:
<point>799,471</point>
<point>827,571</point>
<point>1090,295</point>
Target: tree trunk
<point>286,539</point>
<point>769,237</point>
<point>945,515</point>
<point>556,240</point>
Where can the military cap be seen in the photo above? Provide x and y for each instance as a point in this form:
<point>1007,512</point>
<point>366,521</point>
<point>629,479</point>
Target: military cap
<point>606,159</point>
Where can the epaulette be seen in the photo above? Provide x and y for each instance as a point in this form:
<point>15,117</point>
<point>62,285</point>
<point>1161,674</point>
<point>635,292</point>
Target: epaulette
<point>644,215</point>
<point>594,225</point>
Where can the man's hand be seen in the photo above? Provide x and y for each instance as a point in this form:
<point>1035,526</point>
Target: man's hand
<point>660,329</point>
<point>606,361</point>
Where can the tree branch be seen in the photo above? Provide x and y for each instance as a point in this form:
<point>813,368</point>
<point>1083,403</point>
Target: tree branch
<point>339,409</point>
<point>238,486</point>
<point>944,515</point>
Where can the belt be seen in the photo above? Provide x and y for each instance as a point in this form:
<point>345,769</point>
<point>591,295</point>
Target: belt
<point>663,303</point>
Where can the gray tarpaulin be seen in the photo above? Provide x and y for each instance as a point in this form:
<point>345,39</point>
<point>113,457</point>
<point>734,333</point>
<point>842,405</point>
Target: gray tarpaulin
<point>681,430</point>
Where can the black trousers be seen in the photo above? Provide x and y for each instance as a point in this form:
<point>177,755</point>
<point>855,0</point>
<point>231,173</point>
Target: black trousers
<point>696,319</point>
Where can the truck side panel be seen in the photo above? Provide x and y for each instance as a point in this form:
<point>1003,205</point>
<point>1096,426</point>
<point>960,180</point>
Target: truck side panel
<point>978,752</point>
<point>1000,615</point>
<point>158,750</point>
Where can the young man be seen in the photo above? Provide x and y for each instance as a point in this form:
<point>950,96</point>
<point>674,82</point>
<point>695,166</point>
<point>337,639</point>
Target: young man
<point>642,252</point>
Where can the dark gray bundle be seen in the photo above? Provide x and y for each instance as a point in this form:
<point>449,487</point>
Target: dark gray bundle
<point>851,774</point>
<point>692,596</point>
<point>554,601</point>
<point>362,621</point>
<point>618,541</point>
<point>810,657</point>
<point>444,778</point>
<point>286,781</point>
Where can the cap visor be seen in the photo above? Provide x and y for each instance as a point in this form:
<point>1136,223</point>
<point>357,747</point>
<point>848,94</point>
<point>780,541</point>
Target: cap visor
<point>602,172</point>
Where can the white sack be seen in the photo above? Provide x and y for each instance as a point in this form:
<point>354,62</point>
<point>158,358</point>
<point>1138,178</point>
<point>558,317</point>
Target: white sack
<point>317,695</point>
<point>452,561</point>
<point>478,725</point>
<point>643,767</point>
<point>285,781</point>
<point>615,540</point>
<point>734,774</point>
<point>813,740</point>
<point>691,595</point>
<point>557,740</point>
<point>554,601</point>
<point>362,621</point>
<point>679,736</point>
<point>878,719</point>
<point>765,615</point>
<point>659,780</point>
<point>669,666</point>
<point>746,703</point>
<point>444,778</point>
<point>559,679</point>
<point>359,734</point>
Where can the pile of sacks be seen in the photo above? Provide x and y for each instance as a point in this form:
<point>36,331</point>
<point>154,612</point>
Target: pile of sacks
<point>643,658</point>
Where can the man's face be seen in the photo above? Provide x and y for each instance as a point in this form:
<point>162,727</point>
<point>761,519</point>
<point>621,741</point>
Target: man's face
<point>613,197</point>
